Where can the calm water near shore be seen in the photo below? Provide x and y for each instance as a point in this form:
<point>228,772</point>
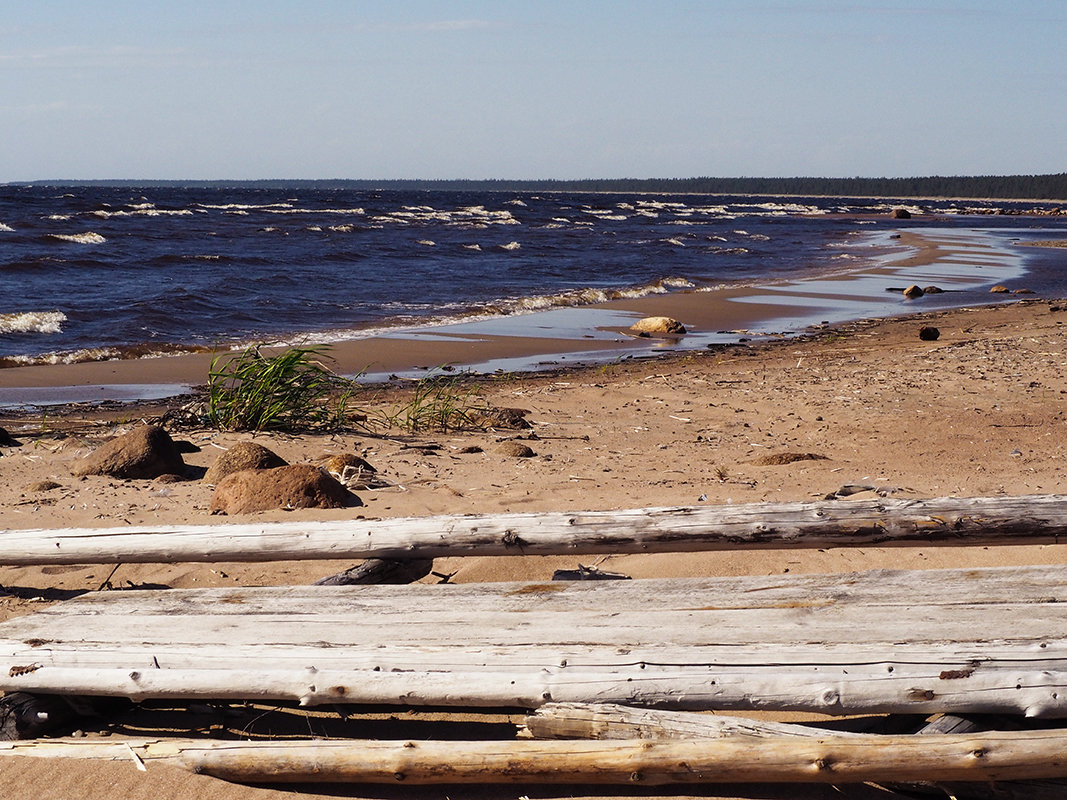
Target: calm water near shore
<point>101,273</point>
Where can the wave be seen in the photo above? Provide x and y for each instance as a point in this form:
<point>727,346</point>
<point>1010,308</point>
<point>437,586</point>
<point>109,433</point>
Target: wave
<point>89,237</point>
<point>589,296</point>
<point>123,353</point>
<point>6,228</point>
<point>32,322</point>
<point>144,210</point>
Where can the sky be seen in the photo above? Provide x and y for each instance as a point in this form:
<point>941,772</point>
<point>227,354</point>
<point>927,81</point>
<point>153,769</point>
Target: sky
<point>526,89</point>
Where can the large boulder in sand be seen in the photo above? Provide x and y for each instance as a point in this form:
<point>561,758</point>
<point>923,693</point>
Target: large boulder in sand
<point>901,213</point>
<point>291,486</point>
<point>146,452</point>
<point>243,455</point>
<point>658,325</point>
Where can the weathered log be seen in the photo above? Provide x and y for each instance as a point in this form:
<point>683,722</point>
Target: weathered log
<point>611,721</point>
<point>968,641</point>
<point>380,571</point>
<point>829,759</point>
<point>963,521</point>
<point>605,721</point>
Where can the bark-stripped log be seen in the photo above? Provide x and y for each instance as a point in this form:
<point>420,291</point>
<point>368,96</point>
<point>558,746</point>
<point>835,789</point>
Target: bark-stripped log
<point>967,521</point>
<point>830,759</point>
<point>964,641</point>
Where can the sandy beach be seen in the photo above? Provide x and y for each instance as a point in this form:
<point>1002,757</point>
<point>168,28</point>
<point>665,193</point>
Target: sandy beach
<point>977,412</point>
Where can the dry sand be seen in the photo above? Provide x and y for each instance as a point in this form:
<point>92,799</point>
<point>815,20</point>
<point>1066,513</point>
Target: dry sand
<point>978,412</point>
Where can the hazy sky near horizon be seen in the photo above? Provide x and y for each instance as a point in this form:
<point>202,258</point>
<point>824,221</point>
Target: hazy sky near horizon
<point>247,89</point>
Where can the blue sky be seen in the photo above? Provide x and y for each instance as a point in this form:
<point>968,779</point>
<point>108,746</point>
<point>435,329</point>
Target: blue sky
<point>570,89</point>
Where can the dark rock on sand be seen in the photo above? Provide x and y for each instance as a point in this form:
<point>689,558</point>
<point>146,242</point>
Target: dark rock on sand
<point>7,440</point>
<point>145,452</point>
<point>933,290</point>
<point>928,333</point>
<point>380,571</point>
<point>510,418</point>
<point>913,291</point>
<point>658,325</point>
<point>901,213</point>
<point>292,486</point>
<point>243,455</point>
<point>515,450</point>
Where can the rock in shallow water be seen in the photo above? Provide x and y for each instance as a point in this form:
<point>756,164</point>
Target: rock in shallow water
<point>658,325</point>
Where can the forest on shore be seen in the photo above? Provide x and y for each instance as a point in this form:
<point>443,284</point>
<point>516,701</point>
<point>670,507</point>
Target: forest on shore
<point>995,187</point>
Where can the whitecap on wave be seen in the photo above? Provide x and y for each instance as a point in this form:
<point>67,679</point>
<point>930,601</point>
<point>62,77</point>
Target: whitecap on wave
<point>510,246</point>
<point>32,322</point>
<point>89,237</point>
<point>6,229</point>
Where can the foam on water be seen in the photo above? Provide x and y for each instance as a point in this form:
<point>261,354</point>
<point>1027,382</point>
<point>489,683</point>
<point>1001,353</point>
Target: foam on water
<point>32,322</point>
<point>6,228</point>
<point>89,237</point>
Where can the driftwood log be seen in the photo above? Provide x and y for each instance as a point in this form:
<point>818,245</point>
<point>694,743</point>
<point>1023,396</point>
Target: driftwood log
<point>964,521</point>
<point>962,641</point>
<point>828,759</point>
<point>611,721</point>
<point>614,722</point>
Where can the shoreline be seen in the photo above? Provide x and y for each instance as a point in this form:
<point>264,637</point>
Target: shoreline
<point>590,334</point>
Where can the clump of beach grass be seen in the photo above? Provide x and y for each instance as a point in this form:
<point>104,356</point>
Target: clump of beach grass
<point>291,391</point>
<point>436,403</point>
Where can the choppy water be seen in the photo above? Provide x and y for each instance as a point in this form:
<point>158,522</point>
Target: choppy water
<point>93,273</point>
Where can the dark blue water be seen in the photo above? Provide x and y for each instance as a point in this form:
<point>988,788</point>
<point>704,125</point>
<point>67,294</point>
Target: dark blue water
<point>90,273</point>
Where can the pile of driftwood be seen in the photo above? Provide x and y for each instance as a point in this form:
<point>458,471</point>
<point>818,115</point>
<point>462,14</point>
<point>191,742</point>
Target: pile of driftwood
<point>624,681</point>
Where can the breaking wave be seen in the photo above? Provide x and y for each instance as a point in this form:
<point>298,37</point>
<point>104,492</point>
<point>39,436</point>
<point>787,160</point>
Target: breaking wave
<point>100,354</point>
<point>89,237</point>
<point>589,296</point>
<point>6,229</point>
<point>32,322</point>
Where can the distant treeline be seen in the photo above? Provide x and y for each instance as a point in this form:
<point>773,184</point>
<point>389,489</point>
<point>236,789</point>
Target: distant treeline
<point>1001,187</point>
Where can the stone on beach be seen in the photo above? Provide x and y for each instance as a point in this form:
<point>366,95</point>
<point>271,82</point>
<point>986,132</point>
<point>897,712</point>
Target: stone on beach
<point>928,333</point>
<point>999,289</point>
<point>242,456</point>
<point>901,213</point>
<point>666,325</point>
<point>145,452</point>
<point>515,450</point>
<point>913,291</point>
<point>291,486</point>
<point>511,418</point>
<point>352,471</point>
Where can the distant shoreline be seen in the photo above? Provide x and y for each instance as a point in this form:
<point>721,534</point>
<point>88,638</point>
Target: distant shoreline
<point>1051,188</point>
